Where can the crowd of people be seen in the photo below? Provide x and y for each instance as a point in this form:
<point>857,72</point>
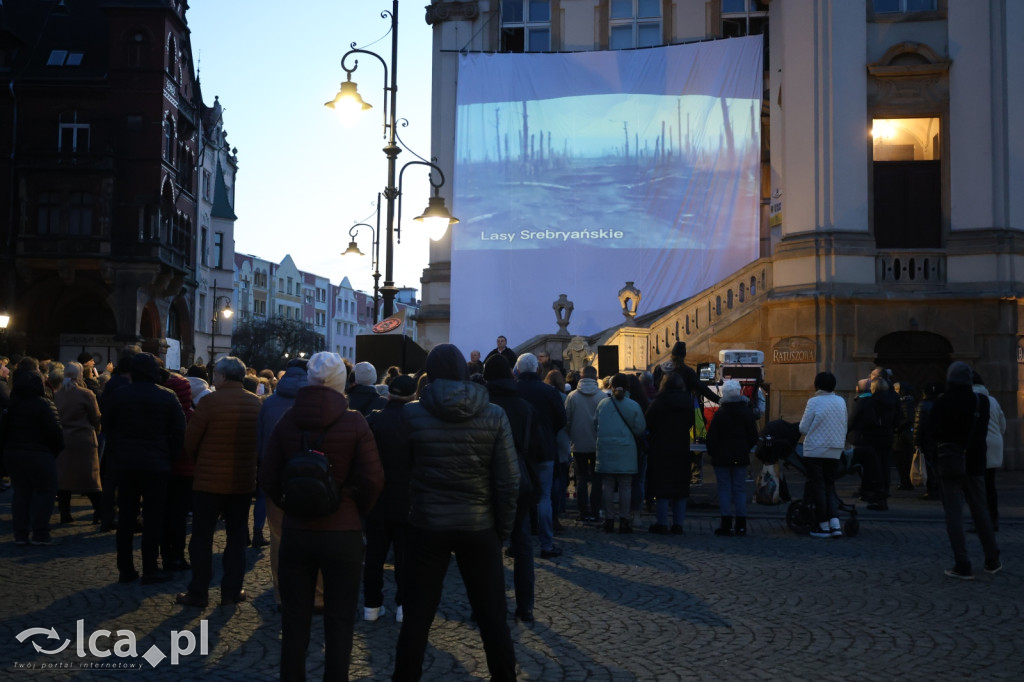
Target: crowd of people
<point>457,461</point>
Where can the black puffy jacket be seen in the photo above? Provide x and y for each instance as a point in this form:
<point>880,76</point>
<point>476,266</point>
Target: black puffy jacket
<point>465,476</point>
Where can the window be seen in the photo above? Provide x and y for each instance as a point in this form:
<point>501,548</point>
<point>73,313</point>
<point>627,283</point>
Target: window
<point>202,308</point>
<point>525,25</point>
<point>907,183</point>
<point>48,216</point>
<point>204,255</point>
<point>207,185</point>
<point>138,50</point>
<point>289,289</point>
<point>903,6</point>
<point>169,140</point>
<point>635,23</point>
<point>218,250</point>
<point>64,58</point>
<point>74,136</point>
<point>321,318</point>
<point>80,214</point>
<point>744,18</point>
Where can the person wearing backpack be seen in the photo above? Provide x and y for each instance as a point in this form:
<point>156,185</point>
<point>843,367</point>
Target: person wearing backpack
<point>320,423</point>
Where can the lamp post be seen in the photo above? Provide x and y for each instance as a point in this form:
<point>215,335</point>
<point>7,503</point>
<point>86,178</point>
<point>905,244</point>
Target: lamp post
<point>353,250</point>
<point>5,320</point>
<point>349,100</point>
<point>224,312</point>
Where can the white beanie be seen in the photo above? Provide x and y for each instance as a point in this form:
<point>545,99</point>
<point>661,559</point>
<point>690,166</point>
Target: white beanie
<point>327,369</point>
<point>731,390</point>
<point>366,374</point>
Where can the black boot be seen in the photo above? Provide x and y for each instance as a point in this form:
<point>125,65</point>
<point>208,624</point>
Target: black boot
<point>725,530</point>
<point>625,525</point>
<point>741,526</point>
<point>64,504</point>
<point>609,525</point>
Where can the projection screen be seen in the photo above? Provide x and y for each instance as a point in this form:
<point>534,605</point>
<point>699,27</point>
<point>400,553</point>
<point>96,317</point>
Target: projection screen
<point>577,172</point>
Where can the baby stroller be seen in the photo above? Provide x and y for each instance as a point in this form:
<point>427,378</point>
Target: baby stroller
<point>778,442</point>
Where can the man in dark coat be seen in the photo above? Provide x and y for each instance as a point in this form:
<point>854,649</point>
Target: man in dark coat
<point>549,410</point>
<point>961,416</point>
<point>146,429</point>
<point>465,481</point>
<point>386,522</point>
<point>504,351</point>
<point>690,380</point>
<point>526,435</point>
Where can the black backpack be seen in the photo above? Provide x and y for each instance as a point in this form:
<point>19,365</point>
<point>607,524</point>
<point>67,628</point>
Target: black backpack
<point>308,487</point>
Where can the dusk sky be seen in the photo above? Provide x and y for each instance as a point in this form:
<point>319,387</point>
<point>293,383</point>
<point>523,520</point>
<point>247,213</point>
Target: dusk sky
<point>303,178</point>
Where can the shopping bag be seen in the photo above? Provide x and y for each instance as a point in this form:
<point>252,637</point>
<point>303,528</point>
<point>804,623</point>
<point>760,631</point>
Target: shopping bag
<point>767,486</point>
<point>918,470</point>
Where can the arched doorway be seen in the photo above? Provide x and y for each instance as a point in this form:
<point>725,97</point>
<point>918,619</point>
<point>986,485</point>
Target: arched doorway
<point>917,358</point>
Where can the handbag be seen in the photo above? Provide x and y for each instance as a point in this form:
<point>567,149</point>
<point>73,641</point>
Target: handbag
<point>951,457</point>
<point>641,440</point>
<point>918,469</point>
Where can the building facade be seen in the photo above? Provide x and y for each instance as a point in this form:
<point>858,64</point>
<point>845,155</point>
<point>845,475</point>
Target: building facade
<point>99,164</point>
<point>892,185</point>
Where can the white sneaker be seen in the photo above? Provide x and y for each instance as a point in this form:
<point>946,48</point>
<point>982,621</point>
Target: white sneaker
<point>835,528</point>
<point>373,614</point>
<point>399,615</point>
<point>822,531</point>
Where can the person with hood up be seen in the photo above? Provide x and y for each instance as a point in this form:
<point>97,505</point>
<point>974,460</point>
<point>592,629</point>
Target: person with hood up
<point>465,481</point>
<point>669,419</point>
<point>331,545</point>
<point>31,439</point>
<point>363,396</point>
<point>580,408</point>
<point>265,510</point>
<point>961,416</point>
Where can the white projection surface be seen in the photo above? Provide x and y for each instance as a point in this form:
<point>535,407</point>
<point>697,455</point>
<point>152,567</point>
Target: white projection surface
<point>575,173</point>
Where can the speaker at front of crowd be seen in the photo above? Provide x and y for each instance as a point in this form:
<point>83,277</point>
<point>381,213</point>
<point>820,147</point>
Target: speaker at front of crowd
<point>384,350</point>
<point>607,360</point>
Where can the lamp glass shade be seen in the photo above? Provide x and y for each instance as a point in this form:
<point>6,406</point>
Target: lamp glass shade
<point>5,320</point>
<point>436,218</point>
<point>348,103</point>
<point>352,250</point>
<point>227,312</point>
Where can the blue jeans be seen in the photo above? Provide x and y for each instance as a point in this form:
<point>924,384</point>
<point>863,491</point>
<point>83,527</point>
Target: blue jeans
<point>971,489</point>
<point>545,523</point>
<point>732,491</point>
<point>678,510</point>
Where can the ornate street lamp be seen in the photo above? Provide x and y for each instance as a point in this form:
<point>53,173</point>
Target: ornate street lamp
<point>348,99</point>
<point>218,313</point>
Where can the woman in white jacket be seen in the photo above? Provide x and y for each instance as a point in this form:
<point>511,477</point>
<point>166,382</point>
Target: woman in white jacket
<point>824,427</point>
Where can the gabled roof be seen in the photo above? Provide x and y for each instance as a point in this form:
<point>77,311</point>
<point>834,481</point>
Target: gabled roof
<point>221,205</point>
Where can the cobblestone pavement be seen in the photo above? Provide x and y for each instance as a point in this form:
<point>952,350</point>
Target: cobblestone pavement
<point>613,607</point>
